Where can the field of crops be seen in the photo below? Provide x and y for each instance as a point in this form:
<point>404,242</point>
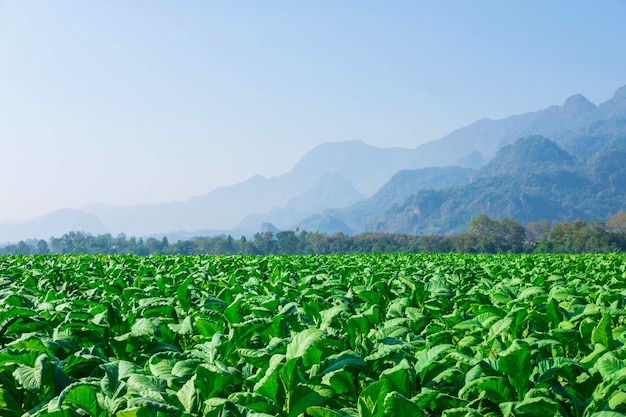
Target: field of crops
<point>355,335</point>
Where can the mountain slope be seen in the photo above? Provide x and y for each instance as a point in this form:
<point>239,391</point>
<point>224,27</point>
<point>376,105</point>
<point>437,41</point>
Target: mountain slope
<point>556,189</point>
<point>332,190</point>
<point>56,223</point>
<point>353,219</point>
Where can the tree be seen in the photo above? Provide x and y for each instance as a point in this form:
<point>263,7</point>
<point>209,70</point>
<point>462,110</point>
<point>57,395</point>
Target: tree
<point>617,223</point>
<point>287,242</point>
<point>537,232</point>
<point>42,247</point>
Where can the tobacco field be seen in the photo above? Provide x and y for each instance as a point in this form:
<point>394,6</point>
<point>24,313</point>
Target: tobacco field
<point>325,336</point>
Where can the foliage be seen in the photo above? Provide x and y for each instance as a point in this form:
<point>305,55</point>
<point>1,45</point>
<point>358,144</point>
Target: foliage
<point>352,335</point>
<point>486,235</point>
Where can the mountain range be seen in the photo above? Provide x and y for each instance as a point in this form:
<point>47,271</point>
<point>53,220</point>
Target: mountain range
<point>558,164</point>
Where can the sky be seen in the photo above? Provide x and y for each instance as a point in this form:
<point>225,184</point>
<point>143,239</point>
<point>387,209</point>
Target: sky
<point>146,101</point>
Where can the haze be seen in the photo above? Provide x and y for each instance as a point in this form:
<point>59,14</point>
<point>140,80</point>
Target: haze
<point>149,101</point>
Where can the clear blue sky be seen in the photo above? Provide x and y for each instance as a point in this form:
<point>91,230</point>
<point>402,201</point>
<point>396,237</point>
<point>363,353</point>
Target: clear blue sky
<point>126,102</point>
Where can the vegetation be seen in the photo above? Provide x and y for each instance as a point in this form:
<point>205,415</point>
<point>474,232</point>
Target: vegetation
<point>484,236</point>
<point>351,335</point>
<point>527,180</point>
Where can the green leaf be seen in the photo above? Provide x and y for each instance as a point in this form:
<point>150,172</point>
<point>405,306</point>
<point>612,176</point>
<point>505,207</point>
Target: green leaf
<point>145,327</point>
<point>346,359</point>
<point>139,383</point>
<point>210,382</point>
<point>538,406</point>
<point>395,404</point>
<point>269,385</point>
<point>302,342</point>
<point>79,395</point>
<point>184,328</point>
<point>316,411</point>
<point>495,388</point>
<point>307,395</point>
<point>233,313</point>
<point>602,333</point>
<point>136,412</point>
<point>152,404</point>
<point>501,326</point>
<point>343,382</point>
<point>610,366</point>
<point>35,379</point>
<point>371,400</point>
<point>188,396</point>
<point>516,364</point>
<point>618,398</point>
<point>8,404</point>
<point>401,378</point>
<point>461,412</point>
<point>184,297</point>
<point>255,402</point>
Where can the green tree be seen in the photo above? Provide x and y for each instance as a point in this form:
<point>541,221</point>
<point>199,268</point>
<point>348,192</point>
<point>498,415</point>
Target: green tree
<point>42,247</point>
<point>287,242</point>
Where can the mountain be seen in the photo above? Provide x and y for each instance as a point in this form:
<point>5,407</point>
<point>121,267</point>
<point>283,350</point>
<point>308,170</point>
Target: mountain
<point>530,180</point>
<point>352,219</point>
<point>307,184</point>
<point>332,190</point>
<point>53,224</point>
<point>334,179</point>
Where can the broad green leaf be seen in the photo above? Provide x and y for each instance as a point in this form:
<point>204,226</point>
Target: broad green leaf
<point>161,364</point>
<point>343,382</point>
<point>35,378</point>
<point>307,395</point>
<point>269,385</point>
<point>461,412</point>
<point>345,359</point>
<point>494,387</point>
<point>183,293</point>
<point>371,400</point>
<point>538,406</point>
<point>515,362</point>
<point>145,383</point>
<point>395,404</point>
<point>401,377</point>
<point>255,402</point>
<point>188,396</point>
<point>610,366</point>
<point>302,342</point>
<point>79,395</point>
<point>136,412</point>
<point>618,398</point>
<point>501,326</point>
<point>211,382</point>
<point>602,333</point>
<point>145,327</point>
<point>316,411</point>
<point>153,404</point>
<point>184,328</point>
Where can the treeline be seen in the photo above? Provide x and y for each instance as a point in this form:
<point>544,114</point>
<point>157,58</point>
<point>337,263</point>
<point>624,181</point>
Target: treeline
<point>484,235</point>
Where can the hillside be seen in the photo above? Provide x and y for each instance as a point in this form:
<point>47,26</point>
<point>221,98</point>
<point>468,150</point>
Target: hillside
<point>549,186</point>
<point>352,219</point>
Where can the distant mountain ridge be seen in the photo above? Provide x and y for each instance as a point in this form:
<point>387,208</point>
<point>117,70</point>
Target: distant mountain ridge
<point>530,180</point>
<point>337,180</point>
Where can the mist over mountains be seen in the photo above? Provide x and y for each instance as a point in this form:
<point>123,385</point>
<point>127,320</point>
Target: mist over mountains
<point>558,164</point>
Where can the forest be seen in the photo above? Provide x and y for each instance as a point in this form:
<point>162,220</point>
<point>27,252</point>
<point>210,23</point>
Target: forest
<point>484,235</point>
